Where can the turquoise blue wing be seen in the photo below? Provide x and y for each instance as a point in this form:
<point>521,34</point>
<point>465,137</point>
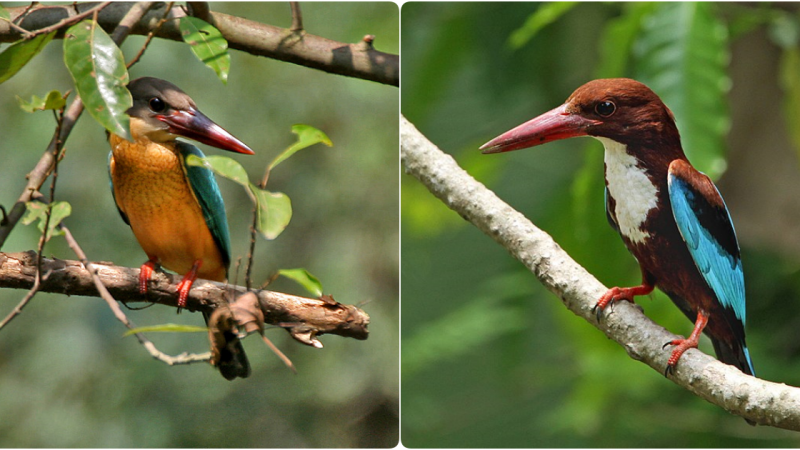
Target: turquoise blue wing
<point>207,192</point>
<point>111,184</point>
<point>707,229</point>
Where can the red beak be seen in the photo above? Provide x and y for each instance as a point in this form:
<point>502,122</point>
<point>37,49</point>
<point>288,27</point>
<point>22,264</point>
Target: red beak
<point>551,126</point>
<point>195,125</point>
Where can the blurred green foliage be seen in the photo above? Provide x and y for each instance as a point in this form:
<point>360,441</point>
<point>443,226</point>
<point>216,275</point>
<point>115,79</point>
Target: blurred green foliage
<point>69,379</point>
<point>492,359</point>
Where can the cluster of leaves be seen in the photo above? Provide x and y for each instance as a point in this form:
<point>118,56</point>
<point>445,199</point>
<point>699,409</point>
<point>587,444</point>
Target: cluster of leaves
<point>98,68</point>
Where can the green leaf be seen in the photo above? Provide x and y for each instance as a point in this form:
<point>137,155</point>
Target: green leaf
<point>306,137</point>
<point>98,68</point>
<point>53,100</point>
<point>274,212</point>
<point>4,14</point>
<point>222,165</point>
<point>167,328</point>
<point>545,15</point>
<point>303,278</point>
<point>38,211</point>
<point>20,53</point>
<point>207,44</point>
<point>682,54</point>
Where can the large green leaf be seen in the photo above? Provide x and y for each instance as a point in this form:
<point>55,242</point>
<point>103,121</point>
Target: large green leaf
<point>545,15</point>
<point>274,211</point>
<point>4,14</point>
<point>207,44</point>
<point>98,68</point>
<point>19,53</point>
<point>682,54</point>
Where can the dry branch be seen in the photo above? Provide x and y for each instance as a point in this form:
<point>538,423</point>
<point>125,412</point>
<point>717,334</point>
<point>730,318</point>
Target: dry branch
<point>304,318</point>
<point>354,60</point>
<point>763,402</point>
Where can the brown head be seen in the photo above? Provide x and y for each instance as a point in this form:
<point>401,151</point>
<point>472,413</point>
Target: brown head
<point>619,109</point>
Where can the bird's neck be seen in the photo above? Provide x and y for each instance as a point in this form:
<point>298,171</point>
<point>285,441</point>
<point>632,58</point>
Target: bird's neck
<point>636,179</point>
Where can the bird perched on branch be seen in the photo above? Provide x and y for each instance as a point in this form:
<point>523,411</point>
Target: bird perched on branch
<point>175,210</point>
<point>670,216</point>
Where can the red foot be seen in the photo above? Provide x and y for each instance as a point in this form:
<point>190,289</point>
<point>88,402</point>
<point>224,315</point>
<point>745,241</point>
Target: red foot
<point>616,294</point>
<point>186,284</point>
<point>145,272</point>
<point>686,344</point>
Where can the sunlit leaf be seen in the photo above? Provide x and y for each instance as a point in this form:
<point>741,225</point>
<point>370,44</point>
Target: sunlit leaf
<point>20,53</point>
<point>38,211</point>
<point>53,100</point>
<point>545,15</point>
<point>98,68</point>
<point>274,212</point>
<point>306,137</point>
<point>207,44</point>
<point>682,54</point>
<point>222,165</point>
<point>167,328</point>
<point>303,278</point>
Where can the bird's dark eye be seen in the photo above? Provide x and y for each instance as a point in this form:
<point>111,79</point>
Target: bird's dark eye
<point>605,108</point>
<point>157,105</point>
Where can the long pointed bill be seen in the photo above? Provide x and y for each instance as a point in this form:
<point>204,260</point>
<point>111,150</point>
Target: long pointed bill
<point>551,126</point>
<point>195,125</point>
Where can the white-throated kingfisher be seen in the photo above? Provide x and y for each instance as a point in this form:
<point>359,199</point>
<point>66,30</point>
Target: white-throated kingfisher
<point>670,216</point>
<point>175,210</point>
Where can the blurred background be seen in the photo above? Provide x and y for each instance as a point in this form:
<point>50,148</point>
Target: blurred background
<point>67,376</point>
<point>489,357</point>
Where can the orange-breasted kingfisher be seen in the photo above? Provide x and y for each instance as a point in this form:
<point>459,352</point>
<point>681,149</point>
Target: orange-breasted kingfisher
<point>175,210</point>
<point>670,216</point>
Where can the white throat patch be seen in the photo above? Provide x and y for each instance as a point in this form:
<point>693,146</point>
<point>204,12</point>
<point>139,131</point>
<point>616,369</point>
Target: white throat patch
<point>635,195</point>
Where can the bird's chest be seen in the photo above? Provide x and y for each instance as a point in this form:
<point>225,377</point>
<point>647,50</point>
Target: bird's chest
<point>152,190</point>
<point>149,180</point>
<point>633,194</point>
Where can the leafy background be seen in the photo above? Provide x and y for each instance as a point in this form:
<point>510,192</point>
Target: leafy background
<point>69,379</point>
<point>489,357</point>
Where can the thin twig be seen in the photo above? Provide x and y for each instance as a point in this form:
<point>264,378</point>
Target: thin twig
<point>151,34</point>
<point>297,17</point>
<point>279,353</point>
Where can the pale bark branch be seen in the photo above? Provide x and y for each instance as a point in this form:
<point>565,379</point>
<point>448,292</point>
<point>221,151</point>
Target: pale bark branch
<point>304,318</point>
<point>259,39</point>
<point>760,401</point>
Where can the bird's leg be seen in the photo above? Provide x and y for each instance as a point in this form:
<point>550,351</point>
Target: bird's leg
<point>616,294</point>
<point>145,272</point>
<point>186,284</point>
<point>686,344</point>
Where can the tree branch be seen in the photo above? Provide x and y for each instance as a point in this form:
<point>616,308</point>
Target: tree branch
<point>760,401</point>
<point>304,318</point>
<point>259,39</point>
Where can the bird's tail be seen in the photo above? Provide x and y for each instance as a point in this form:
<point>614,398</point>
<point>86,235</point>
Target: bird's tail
<point>734,353</point>
<point>232,358</point>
